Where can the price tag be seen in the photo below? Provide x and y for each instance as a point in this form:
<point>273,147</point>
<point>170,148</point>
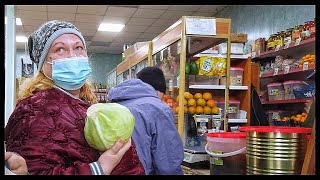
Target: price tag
<point>178,79</point>
<point>277,47</point>
<point>201,26</point>
<point>286,46</point>
<point>253,54</point>
<point>275,72</point>
<point>286,69</point>
<point>305,66</point>
<point>170,85</point>
<point>200,119</point>
<point>297,42</point>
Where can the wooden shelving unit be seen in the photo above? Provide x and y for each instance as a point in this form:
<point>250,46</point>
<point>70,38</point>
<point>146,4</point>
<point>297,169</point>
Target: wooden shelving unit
<point>280,73</point>
<point>291,48</point>
<point>291,101</point>
<point>295,51</point>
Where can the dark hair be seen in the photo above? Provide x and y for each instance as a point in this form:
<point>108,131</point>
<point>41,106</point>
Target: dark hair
<point>153,76</point>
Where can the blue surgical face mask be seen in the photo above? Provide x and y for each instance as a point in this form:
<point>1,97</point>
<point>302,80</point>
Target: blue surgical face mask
<point>70,73</point>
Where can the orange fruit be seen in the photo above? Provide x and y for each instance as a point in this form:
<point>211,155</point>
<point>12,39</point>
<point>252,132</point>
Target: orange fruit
<point>199,110</point>
<point>211,103</point>
<point>192,102</point>
<point>185,102</point>
<point>177,110</point>
<point>313,56</point>
<point>304,114</point>
<point>191,109</point>
<point>187,95</point>
<point>312,63</point>
<point>201,102</point>
<point>298,116</point>
<point>296,119</point>
<point>166,97</point>
<point>308,56</point>
<point>215,110</point>
<point>207,110</point>
<point>197,96</point>
<point>293,116</point>
<point>303,119</point>
<point>170,100</point>
<point>207,96</point>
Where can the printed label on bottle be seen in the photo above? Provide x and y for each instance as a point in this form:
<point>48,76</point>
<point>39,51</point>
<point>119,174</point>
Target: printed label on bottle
<point>274,92</point>
<point>287,40</point>
<point>312,30</point>
<point>305,66</point>
<point>297,42</point>
<point>305,34</point>
<point>296,35</point>
<point>275,115</point>
<point>207,65</point>
<point>239,80</point>
<point>233,110</point>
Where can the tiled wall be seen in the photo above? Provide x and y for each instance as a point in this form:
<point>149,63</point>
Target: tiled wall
<point>262,20</point>
<point>102,64</point>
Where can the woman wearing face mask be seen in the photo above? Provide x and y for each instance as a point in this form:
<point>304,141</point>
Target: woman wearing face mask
<point>46,127</point>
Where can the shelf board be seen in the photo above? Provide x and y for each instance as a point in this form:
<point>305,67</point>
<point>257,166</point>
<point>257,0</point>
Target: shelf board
<point>207,87</point>
<point>233,56</point>
<point>218,87</point>
<point>237,120</point>
<point>238,87</point>
<point>291,47</point>
<point>280,73</point>
<point>288,101</point>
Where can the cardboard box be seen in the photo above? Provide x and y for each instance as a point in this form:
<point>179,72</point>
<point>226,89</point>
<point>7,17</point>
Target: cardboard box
<point>134,48</point>
<point>139,45</point>
<point>239,38</point>
<point>236,48</point>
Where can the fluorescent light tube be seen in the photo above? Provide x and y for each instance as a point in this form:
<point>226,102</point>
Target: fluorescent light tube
<point>110,27</point>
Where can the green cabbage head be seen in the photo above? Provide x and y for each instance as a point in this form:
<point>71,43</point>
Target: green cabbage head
<point>106,123</point>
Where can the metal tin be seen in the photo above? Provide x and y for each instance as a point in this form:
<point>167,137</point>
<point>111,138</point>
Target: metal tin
<point>275,152</point>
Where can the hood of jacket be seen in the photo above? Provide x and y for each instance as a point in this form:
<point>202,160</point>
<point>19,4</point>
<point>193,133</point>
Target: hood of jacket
<point>131,89</point>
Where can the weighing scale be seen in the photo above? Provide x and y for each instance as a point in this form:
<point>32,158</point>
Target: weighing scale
<point>195,136</point>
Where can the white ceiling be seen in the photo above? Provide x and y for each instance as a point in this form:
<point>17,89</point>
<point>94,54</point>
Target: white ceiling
<point>143,22</point>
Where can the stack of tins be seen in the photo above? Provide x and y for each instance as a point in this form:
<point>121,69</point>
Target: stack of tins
<point>272,150</point>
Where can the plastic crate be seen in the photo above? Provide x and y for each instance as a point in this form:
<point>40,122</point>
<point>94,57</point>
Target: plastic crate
<point>308,91</point>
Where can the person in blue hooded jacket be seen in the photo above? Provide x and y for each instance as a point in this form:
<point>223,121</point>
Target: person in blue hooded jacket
<point>158,143</point>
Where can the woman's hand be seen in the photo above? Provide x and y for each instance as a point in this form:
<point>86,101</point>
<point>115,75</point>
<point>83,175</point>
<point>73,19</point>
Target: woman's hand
<point>17,163</point>
<point>110,158</point>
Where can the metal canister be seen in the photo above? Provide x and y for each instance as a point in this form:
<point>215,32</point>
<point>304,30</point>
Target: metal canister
<point>275,150</point>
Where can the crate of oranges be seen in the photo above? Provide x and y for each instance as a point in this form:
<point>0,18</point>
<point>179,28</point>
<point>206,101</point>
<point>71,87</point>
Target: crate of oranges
<point>310,58</point>
<point>295,120</point>
<point>198,103</point>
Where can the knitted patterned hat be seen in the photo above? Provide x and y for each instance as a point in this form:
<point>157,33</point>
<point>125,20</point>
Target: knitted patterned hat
<point>153,76</point>
<point>40,41</point>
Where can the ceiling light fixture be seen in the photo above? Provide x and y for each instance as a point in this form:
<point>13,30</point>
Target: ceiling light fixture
<point>18,21</point>
<point>21,39</point>
<point>110,27</point>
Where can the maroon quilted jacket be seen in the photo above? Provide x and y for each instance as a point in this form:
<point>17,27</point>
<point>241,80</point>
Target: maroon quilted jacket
<point>47,130</point>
